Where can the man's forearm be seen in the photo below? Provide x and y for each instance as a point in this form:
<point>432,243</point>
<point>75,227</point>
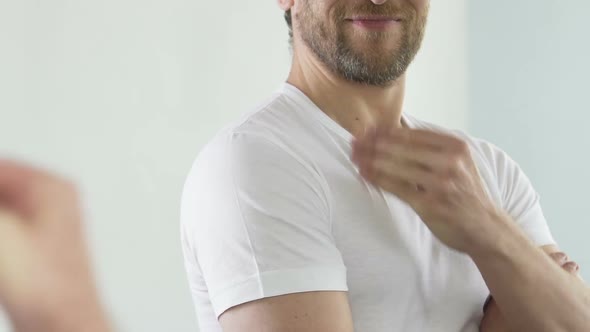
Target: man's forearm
<point>533,293</point>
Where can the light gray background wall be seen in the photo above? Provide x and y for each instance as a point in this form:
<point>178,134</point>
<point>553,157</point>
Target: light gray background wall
<point>529,90</point>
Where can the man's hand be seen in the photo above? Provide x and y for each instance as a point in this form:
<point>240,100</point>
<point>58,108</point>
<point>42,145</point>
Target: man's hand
<point>433,173</point>
<point>494,321</point>
<point>436,175</point>
<point>45,277</point>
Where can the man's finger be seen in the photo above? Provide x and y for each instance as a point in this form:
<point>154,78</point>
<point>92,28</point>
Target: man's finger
<point>571,267</point>
<point>412,154</point>
<point>388,172</point>
<point>559,257</point>
<point>426,138</point>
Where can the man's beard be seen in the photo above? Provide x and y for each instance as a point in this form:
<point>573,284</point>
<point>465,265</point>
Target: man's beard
<point>370,66</point>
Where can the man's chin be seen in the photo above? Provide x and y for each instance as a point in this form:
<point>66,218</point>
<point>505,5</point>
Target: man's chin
<point>374,65</point>
<point>374,54</point>
<point>378,44</point>
<point>372,79</point>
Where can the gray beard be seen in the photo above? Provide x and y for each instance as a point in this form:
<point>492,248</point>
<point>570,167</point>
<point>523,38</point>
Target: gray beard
<point>343,61</point>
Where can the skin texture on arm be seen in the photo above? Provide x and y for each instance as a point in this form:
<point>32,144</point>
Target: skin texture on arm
<point>300,312</point>
<point>562,260</point>
<point>530,290</point>
<point>494,321</point>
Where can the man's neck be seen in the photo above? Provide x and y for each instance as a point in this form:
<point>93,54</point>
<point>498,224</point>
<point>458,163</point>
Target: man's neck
<point>354,106</point>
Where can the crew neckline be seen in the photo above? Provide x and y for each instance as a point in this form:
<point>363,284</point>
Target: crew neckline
<point>327,121</point>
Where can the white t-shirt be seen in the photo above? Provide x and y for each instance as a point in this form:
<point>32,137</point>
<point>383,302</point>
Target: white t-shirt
<point>273,205</point>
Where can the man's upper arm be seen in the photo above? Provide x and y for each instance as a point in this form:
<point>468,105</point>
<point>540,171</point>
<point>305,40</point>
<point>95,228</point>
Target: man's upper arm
<point>256,225</point>
<point>301,312</point>
<point>518,196</point>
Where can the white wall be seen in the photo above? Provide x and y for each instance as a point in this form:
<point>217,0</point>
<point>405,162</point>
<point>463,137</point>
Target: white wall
<point>437,88</point>
<point>529,76</point>
<point>121,94</point>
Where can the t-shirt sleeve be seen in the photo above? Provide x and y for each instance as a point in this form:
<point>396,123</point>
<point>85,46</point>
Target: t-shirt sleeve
<point>518,197</point>
<point>257,220</point>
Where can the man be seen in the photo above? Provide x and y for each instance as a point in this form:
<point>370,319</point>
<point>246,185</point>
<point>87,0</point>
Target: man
<point>45,278</point>
<point>296,211</point>
<point>330,209</point>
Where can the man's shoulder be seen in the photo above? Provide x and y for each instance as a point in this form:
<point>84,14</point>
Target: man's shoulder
<point>267,131</point>
<point>275,115</point>
<point>493,155</point>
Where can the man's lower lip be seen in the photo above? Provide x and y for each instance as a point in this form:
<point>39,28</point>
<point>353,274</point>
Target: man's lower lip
<point>374,24</point>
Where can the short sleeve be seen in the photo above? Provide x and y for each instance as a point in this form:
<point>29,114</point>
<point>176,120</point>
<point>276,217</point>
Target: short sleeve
<point>519,198</point>
<point>257,222</point>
